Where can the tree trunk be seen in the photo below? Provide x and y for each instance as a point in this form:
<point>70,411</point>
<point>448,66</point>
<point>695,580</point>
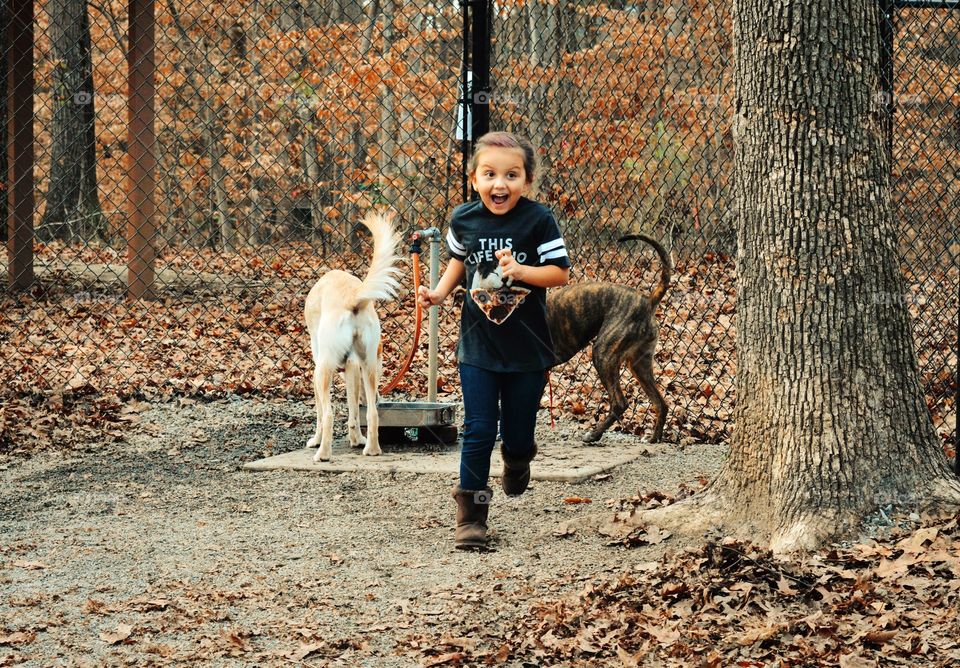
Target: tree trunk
<point>343,11</point>
<point>373,13</point>
<point>220,214</point>
<point>544,53</point>
<point>171,149</point>
<point>387,161</point>
<point>73,204</point>
<point>311,170</point>
<point>191,224</point>
<point>214,133</point>
<point>257,211</point>
<point>830,421</point>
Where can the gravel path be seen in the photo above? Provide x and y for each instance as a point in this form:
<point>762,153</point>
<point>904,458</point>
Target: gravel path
<point>161,551</point>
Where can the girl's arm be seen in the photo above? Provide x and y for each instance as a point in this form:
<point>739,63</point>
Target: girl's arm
<point>547,276</point>
<point>451,278</point>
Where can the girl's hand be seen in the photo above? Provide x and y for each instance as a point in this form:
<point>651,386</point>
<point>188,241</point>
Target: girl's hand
<point>509,267</point>
<point>428,298</point>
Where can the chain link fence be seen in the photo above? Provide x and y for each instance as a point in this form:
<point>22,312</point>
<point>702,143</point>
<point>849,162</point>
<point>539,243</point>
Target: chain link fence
<point>279,123</point>
<point>926,190</point>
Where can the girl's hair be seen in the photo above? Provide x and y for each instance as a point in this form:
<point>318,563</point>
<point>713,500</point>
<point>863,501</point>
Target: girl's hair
<point>506,140</point>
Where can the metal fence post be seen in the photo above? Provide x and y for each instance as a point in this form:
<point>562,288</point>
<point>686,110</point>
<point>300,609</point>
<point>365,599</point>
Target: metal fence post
<point>477,31</point>
<point>480,94</point>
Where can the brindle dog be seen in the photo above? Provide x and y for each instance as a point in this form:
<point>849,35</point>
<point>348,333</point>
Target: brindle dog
<point>620,322</point>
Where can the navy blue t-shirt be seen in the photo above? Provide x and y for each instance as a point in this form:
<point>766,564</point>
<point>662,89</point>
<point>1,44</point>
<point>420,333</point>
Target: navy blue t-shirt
<point>503,325</point>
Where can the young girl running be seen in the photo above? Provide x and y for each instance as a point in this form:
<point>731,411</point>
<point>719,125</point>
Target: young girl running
<point>509,249</point>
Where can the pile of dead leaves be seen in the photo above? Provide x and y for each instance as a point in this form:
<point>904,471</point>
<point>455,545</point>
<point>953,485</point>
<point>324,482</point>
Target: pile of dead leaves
<point>67,419</point>
<point>244,334</point>
<point>890,602</point>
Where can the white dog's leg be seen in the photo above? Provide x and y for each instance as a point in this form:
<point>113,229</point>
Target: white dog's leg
<point>312,442</point>
<point>352,375</point>
<point>326,422</point>
<point>370,380</point>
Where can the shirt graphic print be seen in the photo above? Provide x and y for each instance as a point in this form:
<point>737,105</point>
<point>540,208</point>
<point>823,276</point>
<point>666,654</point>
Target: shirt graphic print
<point>497,298</point>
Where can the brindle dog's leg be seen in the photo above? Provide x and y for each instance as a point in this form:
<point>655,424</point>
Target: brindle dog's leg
<point>607,362</point>
<point>642,368</point>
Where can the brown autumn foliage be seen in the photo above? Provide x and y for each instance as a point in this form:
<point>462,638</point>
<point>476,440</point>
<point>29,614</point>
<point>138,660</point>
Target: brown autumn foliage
<point>263,113</point>
<point>885,601</point>
<point>74,355</point>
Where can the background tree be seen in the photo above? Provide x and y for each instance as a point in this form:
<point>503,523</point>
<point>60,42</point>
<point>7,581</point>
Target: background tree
<point>4,20</point>
<point>73,203</point>
<point>830,420</point>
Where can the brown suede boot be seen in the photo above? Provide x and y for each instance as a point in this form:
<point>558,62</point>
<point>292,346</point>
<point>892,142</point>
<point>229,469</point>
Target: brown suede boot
<point>516,472</point>
<point>472,509</point>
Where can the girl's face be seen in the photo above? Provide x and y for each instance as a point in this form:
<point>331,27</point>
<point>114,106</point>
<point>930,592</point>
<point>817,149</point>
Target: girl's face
<point>500,178</point>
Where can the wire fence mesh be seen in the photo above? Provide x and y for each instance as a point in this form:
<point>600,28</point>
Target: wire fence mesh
<point>926,192</point>
<point>279,123</point>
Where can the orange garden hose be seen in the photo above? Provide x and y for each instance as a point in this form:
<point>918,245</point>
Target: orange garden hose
<point>418,315</point>
<point>553,422</point>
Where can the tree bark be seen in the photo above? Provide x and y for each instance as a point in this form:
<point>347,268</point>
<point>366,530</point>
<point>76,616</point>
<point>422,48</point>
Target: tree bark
<point>544,53</point>
<point>387,146</point>
<point>830,421</point>
<point>311,169</point>
<point>257,184</point>
<point>214,132</point>
<point>4,169</point>
<point>191,224</point>
<point>73,203</point>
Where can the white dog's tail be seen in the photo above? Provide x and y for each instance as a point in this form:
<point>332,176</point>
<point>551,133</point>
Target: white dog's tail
<point>381,279</point>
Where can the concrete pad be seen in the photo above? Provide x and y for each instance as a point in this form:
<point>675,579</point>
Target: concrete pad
<point>570,462</point>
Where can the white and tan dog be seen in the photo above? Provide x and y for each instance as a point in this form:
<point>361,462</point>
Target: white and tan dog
<point>345,334</point>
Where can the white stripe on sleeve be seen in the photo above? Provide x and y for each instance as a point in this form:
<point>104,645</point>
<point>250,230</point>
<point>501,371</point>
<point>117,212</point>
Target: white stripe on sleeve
<point>550,245</point>
<point>560,252</point>
<point>455,245</point>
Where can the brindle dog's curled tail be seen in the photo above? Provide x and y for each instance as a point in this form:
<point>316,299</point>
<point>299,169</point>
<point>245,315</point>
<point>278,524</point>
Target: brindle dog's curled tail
<point>665,266</point>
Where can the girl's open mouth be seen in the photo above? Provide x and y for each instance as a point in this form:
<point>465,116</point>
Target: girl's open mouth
<point>499,199</point>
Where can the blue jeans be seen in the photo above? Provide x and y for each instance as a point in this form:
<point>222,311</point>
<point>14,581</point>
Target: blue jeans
<point>489,398</point>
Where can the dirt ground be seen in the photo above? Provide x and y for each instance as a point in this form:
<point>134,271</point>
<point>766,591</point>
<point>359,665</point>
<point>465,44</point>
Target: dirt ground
<point>160,550</point>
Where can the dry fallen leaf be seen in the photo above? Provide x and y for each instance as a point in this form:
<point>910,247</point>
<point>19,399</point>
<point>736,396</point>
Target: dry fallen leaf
<point>95,607</point>
<point>30,565</point>
<point>121,633</point>
<point>656,535</point>
<point>627,660</point>
<point>759,634</point>
<point>665,636</point>
<point>18,638</point>
<point>235,639</point>
<point>305,650</point>
<point>783,586</point>
<point>451,657</point>
<point>893,568</point>
<point>916,544</point>
<point>463,643</point>
<point>879,637</point>
<point>856,661</point>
